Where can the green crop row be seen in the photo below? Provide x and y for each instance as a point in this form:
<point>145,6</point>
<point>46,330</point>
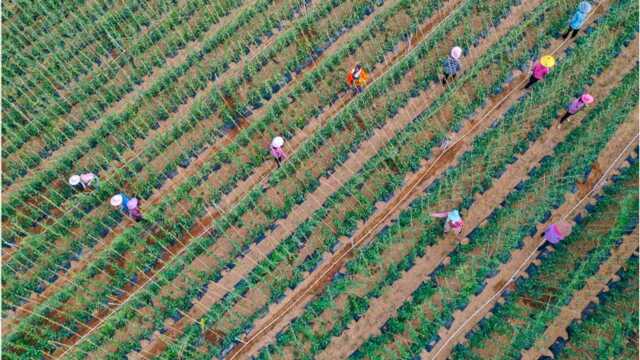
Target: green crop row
<point>466,269</point>
<point>26,16</point>
<point>550,286</point>
<point>329,301</point>
<point>159,212</point>
<point>351,190</point>
<point>62,254</point>
<point>610,329</point>
<point>163,40</point>
<point>175,92</point>
<point>291,204</point>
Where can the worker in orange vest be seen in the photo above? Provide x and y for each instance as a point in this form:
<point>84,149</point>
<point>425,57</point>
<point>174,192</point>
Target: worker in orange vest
<point>357,79</point>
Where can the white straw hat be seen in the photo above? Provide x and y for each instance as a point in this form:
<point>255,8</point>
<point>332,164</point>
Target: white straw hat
<point>74,180</point>
<point>116,200</point>
<point>277,142</point>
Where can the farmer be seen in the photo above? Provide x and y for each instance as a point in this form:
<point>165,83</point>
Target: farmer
<point>276,149</point>
<point>357,79</point>
<point>541,69</point>
<point>84,181</point>
<point>555,233</point>
<point>129,206</point>
<point>578,19</point>
<point>575,106</point>
<point>454,221</point>
<point>451,65</point>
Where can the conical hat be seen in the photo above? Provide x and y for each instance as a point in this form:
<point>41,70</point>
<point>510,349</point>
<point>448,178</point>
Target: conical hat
<point>74,180</point>
<point>116,200</point>
<point>564,228</point>
<point>277,142</point>
<point>548,61</point>
<point>456,52</point>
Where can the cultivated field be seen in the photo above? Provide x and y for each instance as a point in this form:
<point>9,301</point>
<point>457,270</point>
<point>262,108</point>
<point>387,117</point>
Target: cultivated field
<point>334,254</point>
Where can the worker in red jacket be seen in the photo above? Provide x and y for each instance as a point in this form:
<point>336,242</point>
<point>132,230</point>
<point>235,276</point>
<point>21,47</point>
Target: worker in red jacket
<point>357,79</point>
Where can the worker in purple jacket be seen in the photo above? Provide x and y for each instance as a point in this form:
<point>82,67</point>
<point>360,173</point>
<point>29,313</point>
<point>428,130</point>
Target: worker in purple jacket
<point>541,69</point>
<point>578,19</point>
<point>576,105</point>
<point>555,233</point>
<point>277,151</point>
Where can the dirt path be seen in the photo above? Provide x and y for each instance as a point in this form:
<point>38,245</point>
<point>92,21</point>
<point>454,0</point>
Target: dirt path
<point>283,312</point>
<point>582,298</point>
<point>129,98</point>
<point>480,305</point>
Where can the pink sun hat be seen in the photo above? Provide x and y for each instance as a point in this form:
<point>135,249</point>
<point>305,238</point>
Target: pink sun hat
<point>87,178</point>
<point>586,98</point>
<point>456,52</point>
<point>132,203</point>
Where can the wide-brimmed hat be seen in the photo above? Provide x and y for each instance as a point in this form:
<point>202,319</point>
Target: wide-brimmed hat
<point>74,180</point>
<point>456,52</point>
<point>277,142</point>
<point>116,200</point>
<point>586,98</point>
<point>548,61</point>
<point>584,7</point>
<point>564,228</point>
<point>132,203</point>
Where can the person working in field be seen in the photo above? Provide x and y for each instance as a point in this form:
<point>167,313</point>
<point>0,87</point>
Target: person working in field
<point>84,181</point>
<point>575,106</point>
<point>277,150</point>
<point>541,69</point>
<point>129,206</point>
<point>555,233</point>
<point>578,19</point>
<point>451,65</point>
<point>357,79</point>
<point>454,221</point>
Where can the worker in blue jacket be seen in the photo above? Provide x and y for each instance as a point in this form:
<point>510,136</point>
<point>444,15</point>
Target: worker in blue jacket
<point>578,19</point>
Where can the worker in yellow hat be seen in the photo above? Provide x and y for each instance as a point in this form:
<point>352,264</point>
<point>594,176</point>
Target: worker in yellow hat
<point>541,69</point>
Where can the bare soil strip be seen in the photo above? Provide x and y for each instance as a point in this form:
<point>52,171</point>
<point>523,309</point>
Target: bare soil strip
<point>282,313</point>
<point>464,321</point>
<point>582,298</point>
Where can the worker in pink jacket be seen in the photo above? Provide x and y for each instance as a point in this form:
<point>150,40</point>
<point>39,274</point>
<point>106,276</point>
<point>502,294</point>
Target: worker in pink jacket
<point>576,105</point>
<point>541,69</point>
<point>454,221</point>
<point>277,150</point>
